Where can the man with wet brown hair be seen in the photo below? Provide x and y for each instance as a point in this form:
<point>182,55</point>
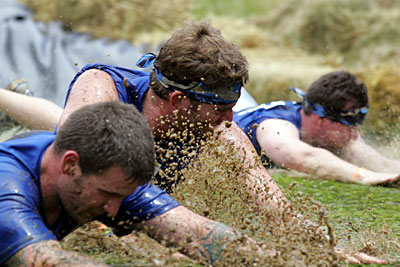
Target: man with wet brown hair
<point>98,164</point>
<point>320,135</point>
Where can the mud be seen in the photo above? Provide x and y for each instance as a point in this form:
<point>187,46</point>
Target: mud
<point>213,186</point>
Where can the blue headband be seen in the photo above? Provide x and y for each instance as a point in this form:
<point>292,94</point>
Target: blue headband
<point>348,118</point>
<point>195,90</point>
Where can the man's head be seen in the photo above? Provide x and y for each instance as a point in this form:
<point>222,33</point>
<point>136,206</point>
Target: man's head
<point>338,96</point>
<point>334,105</point>
<point>200,66</point>
<point>106,150</point>
<point>198,61</point>
<point>109,134</point>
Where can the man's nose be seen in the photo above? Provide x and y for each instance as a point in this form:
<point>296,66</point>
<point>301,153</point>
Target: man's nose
<point>112,206</point>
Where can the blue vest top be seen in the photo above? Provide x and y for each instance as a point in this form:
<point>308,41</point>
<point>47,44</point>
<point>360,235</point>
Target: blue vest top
<point>288,111</point>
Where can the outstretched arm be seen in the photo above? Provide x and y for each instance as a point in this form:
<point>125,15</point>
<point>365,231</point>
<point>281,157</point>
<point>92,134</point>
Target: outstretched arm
<point>197,236</point>
<point>280,141</point>
<point>361,154</point>
<point>40,114</point>
<point>50,253</point>
<point>34,112</point>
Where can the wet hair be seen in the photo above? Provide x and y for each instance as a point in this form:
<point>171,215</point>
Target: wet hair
<point>335,90</point>
<point>199,53</point>
<point>109,134</point>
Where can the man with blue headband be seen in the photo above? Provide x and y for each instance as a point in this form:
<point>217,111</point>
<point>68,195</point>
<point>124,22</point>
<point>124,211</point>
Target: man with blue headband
<point>194,82</point>
<point>319,135</point>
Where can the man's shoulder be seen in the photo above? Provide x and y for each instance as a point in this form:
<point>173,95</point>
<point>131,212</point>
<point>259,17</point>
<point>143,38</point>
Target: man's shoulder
<point>131,73</point>
<point>22,153</point>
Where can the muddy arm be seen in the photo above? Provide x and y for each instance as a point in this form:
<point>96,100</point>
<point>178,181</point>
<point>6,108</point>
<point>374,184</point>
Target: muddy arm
<point>197,236</point>
<point>50,253</point>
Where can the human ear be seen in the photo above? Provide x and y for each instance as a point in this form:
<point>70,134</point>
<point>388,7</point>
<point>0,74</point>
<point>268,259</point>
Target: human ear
<point>70,163</point>
<point>179,101</point>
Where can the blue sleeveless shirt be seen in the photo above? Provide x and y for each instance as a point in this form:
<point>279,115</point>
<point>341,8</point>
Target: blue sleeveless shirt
<point>249,119</point>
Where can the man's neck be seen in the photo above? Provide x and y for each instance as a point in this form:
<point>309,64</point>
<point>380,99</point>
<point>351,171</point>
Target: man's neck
<point>307,131</point>
<point>48,183</point>
<point>154,110</point>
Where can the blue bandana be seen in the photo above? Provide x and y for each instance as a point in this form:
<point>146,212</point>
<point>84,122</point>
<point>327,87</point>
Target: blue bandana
<point>348,117</point>
<point>195,90</point>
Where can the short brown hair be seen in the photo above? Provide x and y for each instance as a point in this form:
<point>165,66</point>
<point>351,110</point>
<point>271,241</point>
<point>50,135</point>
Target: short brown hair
<point>199,53</point>
<point>334,90</point>
<point>109,134</point>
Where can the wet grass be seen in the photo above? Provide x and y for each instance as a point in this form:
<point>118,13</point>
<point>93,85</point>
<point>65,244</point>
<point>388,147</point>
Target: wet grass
<point>361,215</point>
<point>371,206</point>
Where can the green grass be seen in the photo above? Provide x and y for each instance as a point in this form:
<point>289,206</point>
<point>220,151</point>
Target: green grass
<point>355,211</point>
<point>370,206</point>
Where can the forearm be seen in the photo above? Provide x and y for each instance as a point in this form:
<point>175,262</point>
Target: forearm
<point>322,164</point>
<point>50,253</point>
<point>195,235</point>
<point>33,112</point>
<point>319,163</point>
<point>361,154</point>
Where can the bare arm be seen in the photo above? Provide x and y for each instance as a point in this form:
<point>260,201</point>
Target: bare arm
<point>281,142</point>
<point>50,253</point>
<point>199,237</point>
<point>92,86</point>
<point>34,112</point>
<point>361,154</point>
<point>274,199</point>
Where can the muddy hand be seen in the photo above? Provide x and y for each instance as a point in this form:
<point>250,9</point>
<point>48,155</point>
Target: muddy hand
<point>357,257</point>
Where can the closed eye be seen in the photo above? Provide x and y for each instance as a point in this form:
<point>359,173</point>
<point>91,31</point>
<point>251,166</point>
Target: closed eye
<point>110,194</point>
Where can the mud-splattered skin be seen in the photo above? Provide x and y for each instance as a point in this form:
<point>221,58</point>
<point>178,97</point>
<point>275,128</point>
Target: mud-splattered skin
<point>50,253</point>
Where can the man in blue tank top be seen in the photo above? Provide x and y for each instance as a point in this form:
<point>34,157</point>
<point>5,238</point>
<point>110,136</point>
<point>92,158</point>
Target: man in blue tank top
<point>97,166</point>
<point>320,135</point>
<point>195,81</point>
<point>52,183</point>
